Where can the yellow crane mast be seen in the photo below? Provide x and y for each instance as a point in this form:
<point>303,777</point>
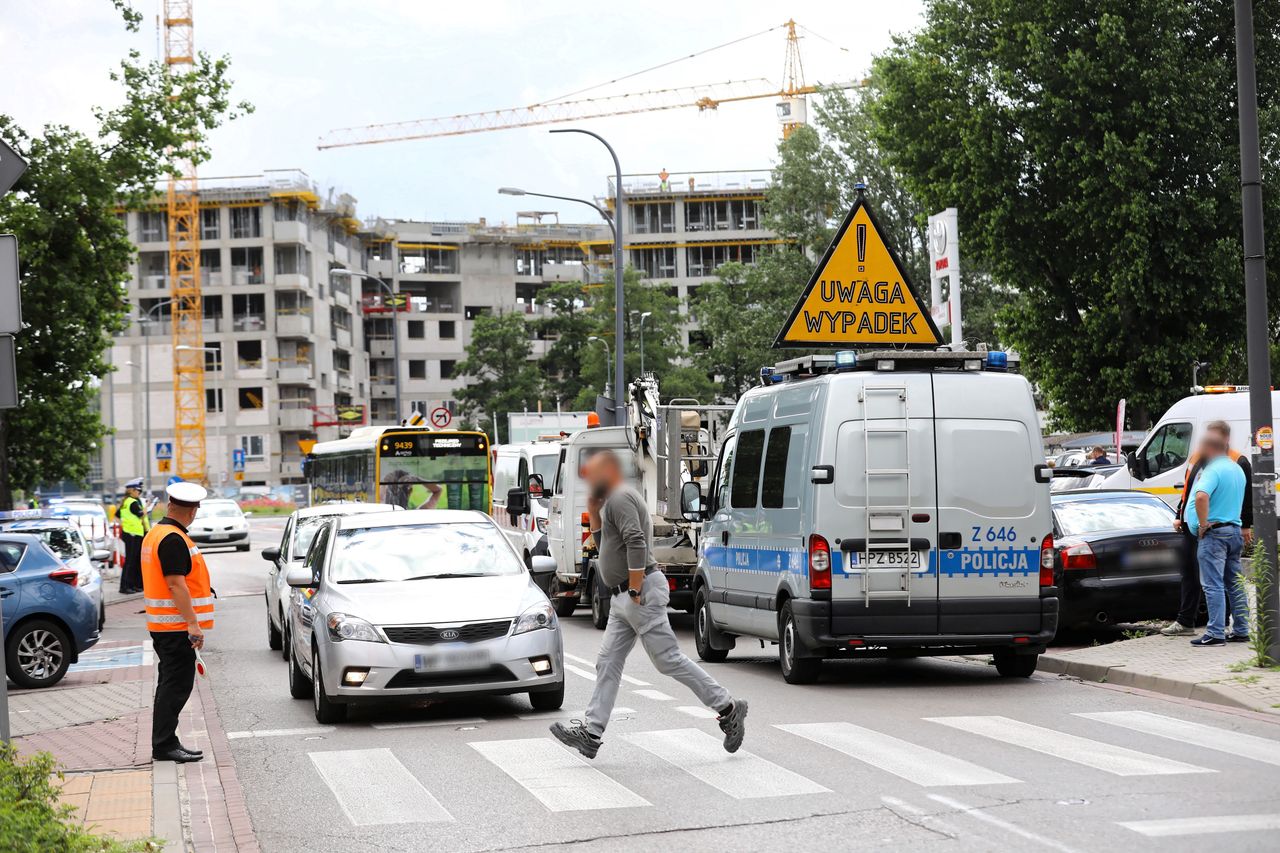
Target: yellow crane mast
<point>184,268</point>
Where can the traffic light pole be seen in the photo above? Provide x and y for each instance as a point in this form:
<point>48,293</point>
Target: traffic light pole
<point>1255,291</point>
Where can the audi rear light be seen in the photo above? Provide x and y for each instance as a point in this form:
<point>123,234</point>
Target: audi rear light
<point>819,563</point>
<point>1046,560</point>
<point>1076,556</point>
<point>68,576</point>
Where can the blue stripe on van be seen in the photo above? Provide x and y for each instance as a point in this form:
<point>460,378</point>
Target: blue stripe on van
<point>979,562</point>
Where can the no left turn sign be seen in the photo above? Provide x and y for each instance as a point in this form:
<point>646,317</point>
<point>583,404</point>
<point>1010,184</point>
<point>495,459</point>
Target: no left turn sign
<point>441,417</point>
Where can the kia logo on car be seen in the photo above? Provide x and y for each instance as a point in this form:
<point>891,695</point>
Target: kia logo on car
<point>449,634</point>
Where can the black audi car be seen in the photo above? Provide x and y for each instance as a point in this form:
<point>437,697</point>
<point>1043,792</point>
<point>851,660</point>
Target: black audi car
<point>1118,557</point>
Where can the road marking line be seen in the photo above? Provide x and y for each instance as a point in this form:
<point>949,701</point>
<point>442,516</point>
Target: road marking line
<point>698,711</point>
<point>742,775</point>
<point>560,715</point>
<point>979,814</point>
<point>418,724</point>
<point>655,695</point>
<point>590,676</point>
<point>308,730</point>
<point>560,779</point>
<point>372,787</point>
<point>1197,734</point>
<point>1203,825</point>
<point>904,759</point>
<point>637,682</point>
<point>1106,757</point>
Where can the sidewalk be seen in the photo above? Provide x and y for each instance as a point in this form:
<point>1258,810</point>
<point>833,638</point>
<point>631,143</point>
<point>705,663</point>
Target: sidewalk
<point>97,723</point>
<point>1171,665</point>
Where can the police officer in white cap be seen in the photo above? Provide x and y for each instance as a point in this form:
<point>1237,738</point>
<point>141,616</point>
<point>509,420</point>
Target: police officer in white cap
<point>179,604</point>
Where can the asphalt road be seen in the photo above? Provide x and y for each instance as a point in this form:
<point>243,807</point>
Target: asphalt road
<point>931,754</point>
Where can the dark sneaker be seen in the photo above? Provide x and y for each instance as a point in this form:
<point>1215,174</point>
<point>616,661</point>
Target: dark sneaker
<point>576,736</point>
<point>734,726</point>
<point>1237,638</point>
<point>1206,640</point>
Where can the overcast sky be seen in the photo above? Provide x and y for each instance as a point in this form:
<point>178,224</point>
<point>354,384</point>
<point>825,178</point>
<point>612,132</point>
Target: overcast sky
<point>313,65</point>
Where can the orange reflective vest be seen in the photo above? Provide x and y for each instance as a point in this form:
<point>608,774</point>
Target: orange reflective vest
<point>162,612</point>
<point>1192,461</point>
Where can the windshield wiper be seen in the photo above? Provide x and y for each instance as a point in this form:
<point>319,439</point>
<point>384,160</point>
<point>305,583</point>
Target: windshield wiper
<point>447,575</point>
<point>365,580</point>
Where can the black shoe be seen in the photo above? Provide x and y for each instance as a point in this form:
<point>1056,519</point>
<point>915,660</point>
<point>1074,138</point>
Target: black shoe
<point>189,751</point>
<point>180,756</point>
<point>1237,638</point>
<point>576,736</point>
<point>733,724</point>
<point>1206,640</point>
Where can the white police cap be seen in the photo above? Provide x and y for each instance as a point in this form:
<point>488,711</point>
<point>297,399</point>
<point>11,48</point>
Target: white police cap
<point>135,483</point>
<point>186,494</point>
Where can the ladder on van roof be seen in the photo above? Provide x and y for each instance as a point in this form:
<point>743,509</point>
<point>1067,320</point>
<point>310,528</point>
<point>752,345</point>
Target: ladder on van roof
<point>887,522</point>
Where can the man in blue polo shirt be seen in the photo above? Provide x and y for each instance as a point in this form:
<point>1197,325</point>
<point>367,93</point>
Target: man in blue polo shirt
<point>1213,517</point>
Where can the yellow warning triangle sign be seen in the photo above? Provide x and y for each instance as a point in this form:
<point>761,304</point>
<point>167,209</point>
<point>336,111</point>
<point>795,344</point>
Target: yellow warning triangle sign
<point>859,295</point>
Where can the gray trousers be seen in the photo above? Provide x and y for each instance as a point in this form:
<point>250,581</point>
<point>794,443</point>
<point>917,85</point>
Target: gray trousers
<point>648,622</point>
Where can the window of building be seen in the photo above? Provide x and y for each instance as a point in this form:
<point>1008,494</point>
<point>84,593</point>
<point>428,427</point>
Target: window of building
<point>417,329</point>
<point>211,308</point>
<point>246,264</point>
<point>250,397</point>
<point>210,260</point>
<point>254,447</point>
<point>746,469</point>
<point>213,357</point>
<point>417,259</point>
<point>448,330</point>
<point>655,261</point>
<point>657,218</point>
<point>153,268</point>
<point>417,369</point>
<point>737,214</point>
<point>248,311</point>
<point>290,211</point>
<point>704,260</point>
<point>248,354</point>
<point>210,223</point>
<point>446,369</point>
<point>293,260</point>
<point>213,399</point>
<point>473,311</point>
<point>529,261</point>
<point>153,226</point>
<point>246,223</point>
<point>699,340</point>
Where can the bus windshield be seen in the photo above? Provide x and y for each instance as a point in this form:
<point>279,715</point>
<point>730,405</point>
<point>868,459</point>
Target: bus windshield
<point>428,470</point>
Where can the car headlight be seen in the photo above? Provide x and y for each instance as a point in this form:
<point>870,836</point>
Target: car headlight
<point>540,524</point>
<point>343,626</point>
<point>540,615</point>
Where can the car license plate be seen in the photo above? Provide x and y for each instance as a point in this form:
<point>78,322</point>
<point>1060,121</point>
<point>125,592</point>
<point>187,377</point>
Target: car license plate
<point>890,559</point>
<point>451,659</point>
<point>219,535</point>
<point>1154,559</point>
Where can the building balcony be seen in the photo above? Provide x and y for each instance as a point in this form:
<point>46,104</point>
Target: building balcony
<point>382,348</point>
<point>244,275</point>
<point>342,338</point>
<point>292,281</point>
<point>294,325</point>
<point>298,420</point>
<point>248,323</point>
<point>213,278</point>
<point>382,389</point>
<point>247,369</point>
<point>290,231</point>
<point>382,269</point>
<point>294,372</point>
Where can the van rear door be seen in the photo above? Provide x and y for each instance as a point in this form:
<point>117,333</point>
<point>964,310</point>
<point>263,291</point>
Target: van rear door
<point>882,529</point>
<point>993,515</point>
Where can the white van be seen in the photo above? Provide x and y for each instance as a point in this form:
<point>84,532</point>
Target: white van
<point>522,477</point>
<point>892,503</point>
<point>1159,465</point>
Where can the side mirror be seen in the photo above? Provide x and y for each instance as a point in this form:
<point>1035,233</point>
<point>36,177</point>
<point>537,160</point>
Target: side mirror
<point>536,487</point>
<point>691,502</point>
<point>248,513</point>
<point>271,554</point>
<point>517,501</point>
<point>299,577</point>
<point>101,555</point>
<point>542,565</point>
<point>1137,466</point>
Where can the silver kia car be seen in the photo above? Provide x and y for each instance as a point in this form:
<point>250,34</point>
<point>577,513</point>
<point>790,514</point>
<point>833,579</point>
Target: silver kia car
<point>424,602</point>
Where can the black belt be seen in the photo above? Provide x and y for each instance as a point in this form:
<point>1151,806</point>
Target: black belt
<point>626,585</point>
<point>1218,524</point>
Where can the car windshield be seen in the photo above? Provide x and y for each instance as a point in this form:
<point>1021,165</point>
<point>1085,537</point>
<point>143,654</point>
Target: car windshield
<point>1076,518</point>
<point>304,532</point>
<point>63,541</point>
<point>218,511</point>
<point>422,552</point>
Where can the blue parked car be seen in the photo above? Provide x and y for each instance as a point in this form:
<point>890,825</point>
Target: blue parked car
<point>48,620</point>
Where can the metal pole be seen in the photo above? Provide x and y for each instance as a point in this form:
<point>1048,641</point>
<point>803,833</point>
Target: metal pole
<point>146,417</point>
<point>620,413</point>
<point>395,350</point>
<point>1255,292</point>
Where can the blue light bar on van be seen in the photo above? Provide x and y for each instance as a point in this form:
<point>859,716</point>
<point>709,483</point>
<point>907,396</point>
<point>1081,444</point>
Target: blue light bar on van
<point>997,360</point>
<point>846,358</point>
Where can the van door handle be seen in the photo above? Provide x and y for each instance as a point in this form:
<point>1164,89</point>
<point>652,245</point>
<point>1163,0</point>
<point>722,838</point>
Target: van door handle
<point>724,537</point>
<point>5,592</point>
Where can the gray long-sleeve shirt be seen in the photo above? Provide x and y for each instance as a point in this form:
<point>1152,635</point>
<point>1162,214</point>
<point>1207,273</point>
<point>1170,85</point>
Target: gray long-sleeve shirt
<point>626,532</point>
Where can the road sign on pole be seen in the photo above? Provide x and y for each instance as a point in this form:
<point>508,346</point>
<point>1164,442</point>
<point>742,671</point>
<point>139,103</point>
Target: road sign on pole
<point>10,292</point>
<point>441,417</point>
<point>164,450</point>
<point>237,459</point>
<point>8,373</point>
<point>944,265</point>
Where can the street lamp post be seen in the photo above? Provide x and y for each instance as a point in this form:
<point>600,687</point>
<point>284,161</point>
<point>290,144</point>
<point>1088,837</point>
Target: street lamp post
<point>619,307</point>
<point>607,359</point>
<point>643,316</point>
<point>146,393</point>
<point>221,388</point>
<point>395,328</point>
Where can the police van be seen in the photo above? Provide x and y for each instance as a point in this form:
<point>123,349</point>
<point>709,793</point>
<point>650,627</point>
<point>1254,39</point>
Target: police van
<point>522,477</point>
<point>885,504</point>
<point>1159,466</point>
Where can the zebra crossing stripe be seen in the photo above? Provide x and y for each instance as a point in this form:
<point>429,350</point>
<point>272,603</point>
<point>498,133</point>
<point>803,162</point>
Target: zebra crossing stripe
<point>1106,757</point>
<point>562,780</point>
<point>903,759</point>
<point>1204,825</point>
<point>742,775</point>
<point>1233,743</point>
<point>372,787</point>
<point>698,712</point>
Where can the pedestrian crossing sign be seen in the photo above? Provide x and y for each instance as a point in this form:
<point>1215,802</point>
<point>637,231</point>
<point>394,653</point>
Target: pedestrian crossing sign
<point>859,295</point>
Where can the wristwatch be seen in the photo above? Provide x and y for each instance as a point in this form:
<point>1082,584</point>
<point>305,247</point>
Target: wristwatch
<point>634,593</point>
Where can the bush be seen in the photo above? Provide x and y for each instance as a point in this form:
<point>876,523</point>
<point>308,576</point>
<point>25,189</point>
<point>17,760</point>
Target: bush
<point>32,821</point>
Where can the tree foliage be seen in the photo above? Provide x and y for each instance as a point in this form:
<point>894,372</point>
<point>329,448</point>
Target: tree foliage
<point>501,378</point>
<point>75,253</point>
<point>1091,147</point>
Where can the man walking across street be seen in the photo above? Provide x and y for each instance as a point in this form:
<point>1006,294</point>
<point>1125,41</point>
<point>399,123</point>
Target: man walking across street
<point>1189,606</point>
<point>623,530</point>
<point>1213,517</point>
<point>179,605</point>
<point>134,524</point>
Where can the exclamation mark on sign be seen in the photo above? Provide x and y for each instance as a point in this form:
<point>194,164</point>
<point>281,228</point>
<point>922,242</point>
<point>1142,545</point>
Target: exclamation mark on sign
<point>862,247</point>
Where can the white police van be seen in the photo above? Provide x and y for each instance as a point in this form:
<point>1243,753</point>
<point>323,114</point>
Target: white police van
<point>892,503</point>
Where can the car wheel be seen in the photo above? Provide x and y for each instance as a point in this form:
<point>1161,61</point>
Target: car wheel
<point>38,654</point>
<point>244,547</point>
<point>795,668</point>
<point>702,629</point>
<point>102,615</point>
<point>599,603</point>
<point>564,607</point>
<point>550,700</point>
<point>1011,665</point>
<point>299,684</point>
<point>273,633</point>
<point>326,711</point>
<point>284,638</point>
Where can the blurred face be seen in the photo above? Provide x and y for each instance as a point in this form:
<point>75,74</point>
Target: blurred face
<point>1213,445</point>
<point>602,473</point>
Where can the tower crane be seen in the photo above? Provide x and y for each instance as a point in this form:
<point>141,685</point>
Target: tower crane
<point>184,267</point>
<point>792,103</point>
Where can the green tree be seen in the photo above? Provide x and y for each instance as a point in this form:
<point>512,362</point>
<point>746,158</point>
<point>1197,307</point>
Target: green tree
<point>1091,148</point>
<point>568,327</point>
<point>76,255</point>
<point>501,377</point>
